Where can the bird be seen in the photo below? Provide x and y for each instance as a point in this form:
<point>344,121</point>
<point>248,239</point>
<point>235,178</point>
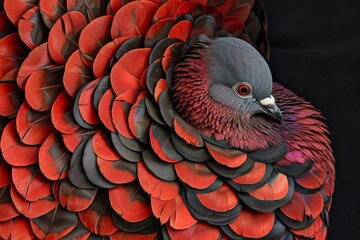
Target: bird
<point>154,119</point>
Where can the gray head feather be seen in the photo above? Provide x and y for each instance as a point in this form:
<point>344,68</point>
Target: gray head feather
<point>232,60</point>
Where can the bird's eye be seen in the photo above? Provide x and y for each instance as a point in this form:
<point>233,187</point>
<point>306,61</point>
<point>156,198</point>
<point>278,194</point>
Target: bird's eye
<point>243,89</point>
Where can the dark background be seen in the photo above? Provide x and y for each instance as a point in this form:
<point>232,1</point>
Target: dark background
<point>315,51</point>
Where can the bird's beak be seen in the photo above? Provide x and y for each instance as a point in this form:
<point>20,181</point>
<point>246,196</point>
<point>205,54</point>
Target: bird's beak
<point>271,109</point>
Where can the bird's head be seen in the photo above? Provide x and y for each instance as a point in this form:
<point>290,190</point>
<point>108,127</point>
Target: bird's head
<point>223,88</point>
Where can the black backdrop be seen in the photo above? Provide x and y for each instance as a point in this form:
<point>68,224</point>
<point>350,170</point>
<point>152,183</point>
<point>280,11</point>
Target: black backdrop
<point>315,51</point>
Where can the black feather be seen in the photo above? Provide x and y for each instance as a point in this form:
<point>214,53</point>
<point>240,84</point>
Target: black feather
<point>192,153</point>
<point>270,205</point>
<point>123,151</point>
<point>153,111</point>
<point>149,225</point>
<point>101,88</point>
<point>154,74</point>
<point>132,144</point>
<point>231,172</point>
<point>77,175</point>
<point>91,168</point>
<point>161,169</point>
<point>269,155</point>
<point>160,47</point>
<point>296,169</point>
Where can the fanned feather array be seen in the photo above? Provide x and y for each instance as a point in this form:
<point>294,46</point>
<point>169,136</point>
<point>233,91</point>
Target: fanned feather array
<point>92,146</point>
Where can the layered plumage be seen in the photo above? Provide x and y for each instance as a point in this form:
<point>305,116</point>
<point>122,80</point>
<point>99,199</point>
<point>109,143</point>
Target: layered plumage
<point>137,120</point>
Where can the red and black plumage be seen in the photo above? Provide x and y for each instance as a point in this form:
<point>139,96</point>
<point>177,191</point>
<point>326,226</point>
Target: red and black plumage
<point>114,123</point>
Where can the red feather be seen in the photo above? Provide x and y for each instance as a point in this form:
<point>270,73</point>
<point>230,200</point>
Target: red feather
<point>54,158</point>
<point>119,235</point>
<point>254,176</point>
<point>162,145</point>
<point>31,209</point>
<point>134,18</point>
<point>97,218</point>
<point>7,208</point>
<point>310,232</point>
<point>242,12</point>
<point>321,234</point>
<point>16,8</point>
<point>10,77</point>
<point>173,210</point>
<point>225,6</point>
<point>198,231</point>
<point>275,190</point>
<point>229,157</point>
<point>33,127</point>
<point>52,10</point>
<point>79,232</point>
<point>171,56</point>
<point>233,25</point>
<point>12,52</point>
<point>181,30</point>
<point>76,74</point>
<point>103,57</point>
<point>130,202</point>
<point>73,198</point>
<point>328,187</point>
<point>125,75</point>
<point>14,151</point>
<point>18,228</point>
<point>39,58</point>
<point>188,171</point>
<point>31,28</point>
<point>104,109</point>
<point>42,88</point>
<point>252,224</point>
<point>167,10</point>
<point>181,217</point>
<point>220,200</point>
<point>6,228</point>
<point>30,183</point>
<point>312,180</point>
<point>92,9</point>
<point>72,140</point>
<point>120,112</point>
<point>303,206</point>
<point>187,132</point>
<point>119,172</point>
<point>115,5</point>
<point>158,31</point>
<point>161,85</point>
<point>155,187</point>
<point>130,96</point>
<point>62,114</point>
<point>64,35</point>
<point>186,8</point>
<point>102,146</point>
<point>93,37</point>
<point>55,224</point>
<point>11,98</point>
<point>86,107</point>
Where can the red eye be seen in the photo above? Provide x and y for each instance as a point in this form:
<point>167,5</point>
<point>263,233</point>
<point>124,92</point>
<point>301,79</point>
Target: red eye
<point>244,89</point>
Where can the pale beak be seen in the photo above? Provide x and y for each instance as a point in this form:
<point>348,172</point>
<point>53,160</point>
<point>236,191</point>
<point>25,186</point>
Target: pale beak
<point>271,109</point>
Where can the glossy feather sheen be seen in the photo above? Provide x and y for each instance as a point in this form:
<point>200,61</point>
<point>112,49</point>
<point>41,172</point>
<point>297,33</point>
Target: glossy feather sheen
<point>108,130</point>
